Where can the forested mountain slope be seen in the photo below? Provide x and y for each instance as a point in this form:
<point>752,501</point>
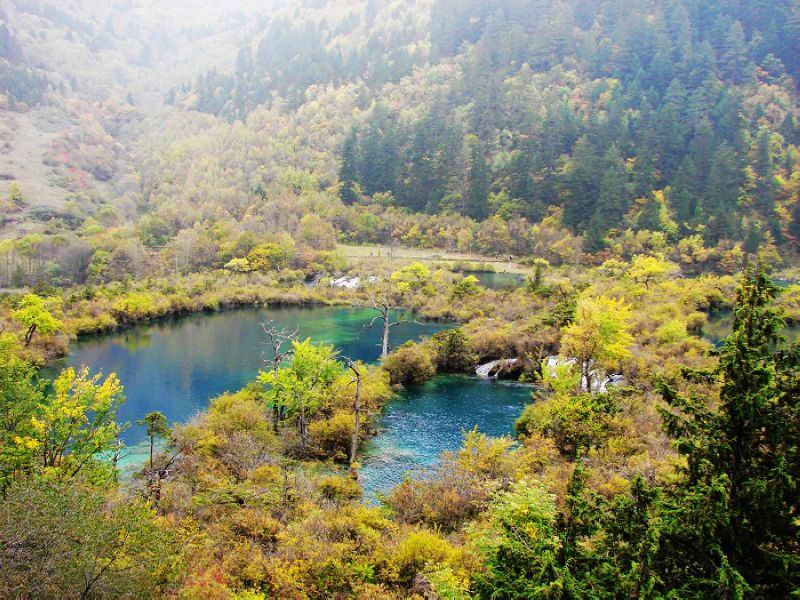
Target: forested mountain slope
<point>74,76</point>
<point>672,116</point>
<point>626,126</point>
<point>625,158</point>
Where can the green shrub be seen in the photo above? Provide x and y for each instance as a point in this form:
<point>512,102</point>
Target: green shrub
<point>331,438</point>
<point>421,550</point>
<point>410,363</point>
<point>574,422</point>
<point>453,352</point>
<point>339,489</point>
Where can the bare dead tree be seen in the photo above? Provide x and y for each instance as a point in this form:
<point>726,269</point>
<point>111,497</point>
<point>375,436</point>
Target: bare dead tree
<point>280,342</point>
<point>156,475</point>
<point>356,413</point>
<point>384,305</point>
<point>278,338</point>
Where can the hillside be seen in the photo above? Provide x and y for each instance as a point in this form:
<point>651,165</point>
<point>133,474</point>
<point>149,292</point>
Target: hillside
<point>264,264</point>
<point>625,127</point>
<point>75,75</point>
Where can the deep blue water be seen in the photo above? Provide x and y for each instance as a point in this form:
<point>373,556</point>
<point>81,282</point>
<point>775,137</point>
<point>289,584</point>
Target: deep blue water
<point>177,365</point>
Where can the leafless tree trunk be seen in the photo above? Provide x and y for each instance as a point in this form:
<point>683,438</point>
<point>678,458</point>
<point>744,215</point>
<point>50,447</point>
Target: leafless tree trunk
<point>384,307</point>
<point>356,413</point>
<point>155,476</point>
<point>278,340</point>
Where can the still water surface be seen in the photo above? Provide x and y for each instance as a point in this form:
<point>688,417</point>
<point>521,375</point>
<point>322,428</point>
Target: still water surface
<point>176,365</point>
<point>429,418</point>
<point>720,324</point>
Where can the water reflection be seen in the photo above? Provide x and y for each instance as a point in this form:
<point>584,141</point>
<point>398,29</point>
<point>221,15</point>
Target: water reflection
<point>720,324</point>
<point>176,365</point>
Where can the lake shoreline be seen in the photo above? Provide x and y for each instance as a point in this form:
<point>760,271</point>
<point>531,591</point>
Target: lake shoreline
<point>170,364</point>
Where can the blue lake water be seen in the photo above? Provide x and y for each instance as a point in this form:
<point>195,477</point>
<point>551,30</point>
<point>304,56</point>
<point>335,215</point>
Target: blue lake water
<point>177,365</point>
<point>428,418</point>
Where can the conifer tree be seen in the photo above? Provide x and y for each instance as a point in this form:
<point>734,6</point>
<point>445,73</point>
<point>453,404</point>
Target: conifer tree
<point>477,193</point>
<point>348,173</point>
<point>731,524</point>
<point>612,201</point>
<point>722,195</point>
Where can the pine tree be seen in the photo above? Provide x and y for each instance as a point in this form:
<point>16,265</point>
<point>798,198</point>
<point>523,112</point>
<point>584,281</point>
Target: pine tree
<point>612,201</point>
<point>378,153</point>
<point>753,239</point>
<point>520,170</point>
<point>650,217</point>
<point>734,60</point>
<point>421,185</point>
<point>685,193</point>
<point>580,185</point>
<point>348,173</point>
<point>477,192</point>
<point>722,196</point>
<point>766,186</point>
<point>671,129</point>
<point>731,522</point>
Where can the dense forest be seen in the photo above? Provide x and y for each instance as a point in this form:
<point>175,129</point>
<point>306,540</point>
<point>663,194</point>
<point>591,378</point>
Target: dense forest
<point>669,127</point>
<point>672,118</point>
<point>635,165</point>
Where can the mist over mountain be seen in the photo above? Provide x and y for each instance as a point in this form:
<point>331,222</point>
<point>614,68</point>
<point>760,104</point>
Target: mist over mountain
<point>676,117</point>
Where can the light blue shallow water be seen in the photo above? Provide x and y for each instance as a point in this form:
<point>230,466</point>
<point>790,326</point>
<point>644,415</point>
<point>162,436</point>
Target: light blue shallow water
<point>429,418</point>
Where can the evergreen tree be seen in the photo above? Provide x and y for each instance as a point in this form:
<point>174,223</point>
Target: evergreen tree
<point>722,196</point>
<point>430,160</point>
<point>378,153</point>
<point>730,125</point>
<point>685,193</point>
<point>731,522</point>
<point>766,186</point>
<point>477,192</point>
<point>421,183</point>
<point>671,129</point>
<point>734,61</point>
<point>521,185</point>
<point>651,216</point>
<point>348,173</point>
<point>580,184</point>
<point>612,201</point>
<point>753,240</point>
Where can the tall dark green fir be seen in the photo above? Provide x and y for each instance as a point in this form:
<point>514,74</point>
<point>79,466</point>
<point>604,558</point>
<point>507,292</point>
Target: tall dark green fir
<point>348,173</point>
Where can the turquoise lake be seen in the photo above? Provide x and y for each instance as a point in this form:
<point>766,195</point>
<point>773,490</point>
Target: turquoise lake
<point>176,365</point>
